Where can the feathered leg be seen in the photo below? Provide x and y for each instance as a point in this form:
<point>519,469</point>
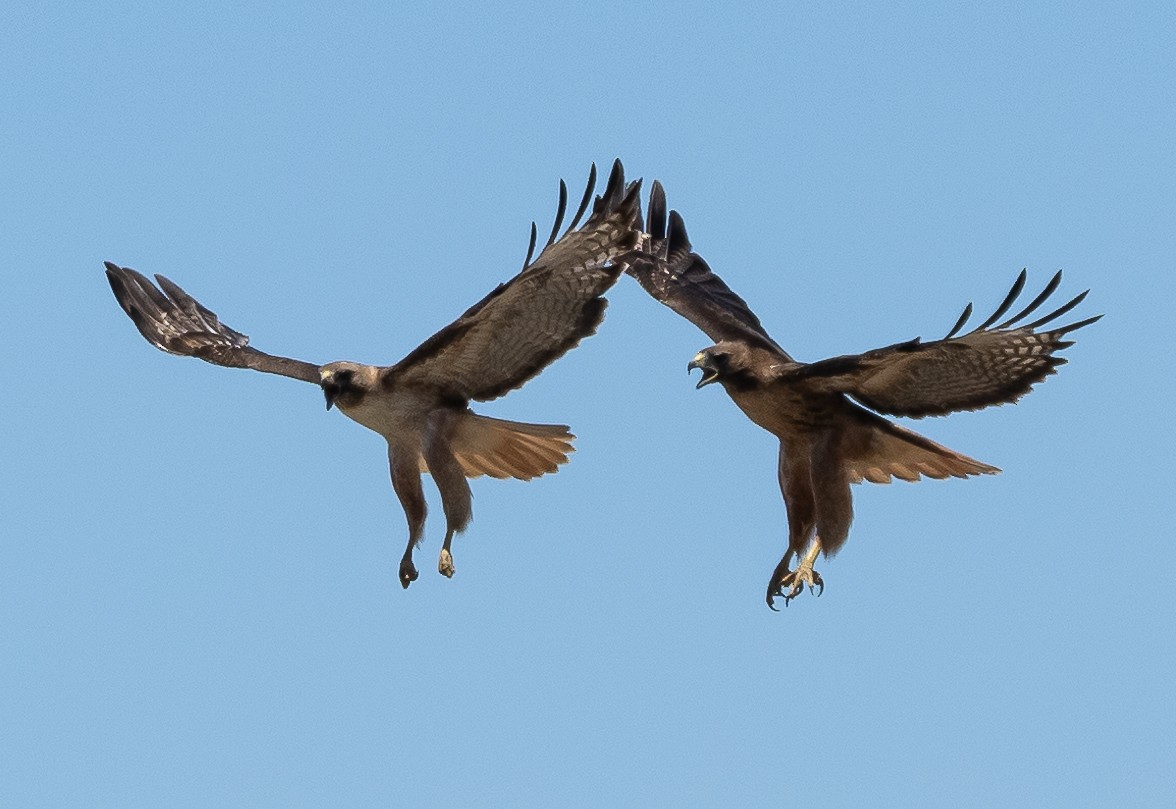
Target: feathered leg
<point>406,482</point>
<point>451,481</point>
<point>833,501</point>
<point>823,483</point>
<point>831,492</point>
<point>796,487</point>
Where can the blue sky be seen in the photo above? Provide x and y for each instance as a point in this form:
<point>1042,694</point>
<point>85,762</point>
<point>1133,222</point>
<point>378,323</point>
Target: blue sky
<point>198,602</point>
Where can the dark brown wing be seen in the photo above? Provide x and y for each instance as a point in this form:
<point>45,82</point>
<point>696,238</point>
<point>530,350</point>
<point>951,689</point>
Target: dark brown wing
<point>542,313</point>
<point>990,365</point>
<point>175,322</point>
<point>674,274</point>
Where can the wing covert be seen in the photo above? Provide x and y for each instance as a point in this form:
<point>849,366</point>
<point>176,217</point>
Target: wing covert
<point>542,313</point>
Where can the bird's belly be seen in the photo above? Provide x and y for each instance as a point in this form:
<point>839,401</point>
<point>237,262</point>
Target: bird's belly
<point>781,410</point>
<point>390,416</point>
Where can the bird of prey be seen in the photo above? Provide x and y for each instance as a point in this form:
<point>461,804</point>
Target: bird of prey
<point>420,405</point>
<point>828,440</point>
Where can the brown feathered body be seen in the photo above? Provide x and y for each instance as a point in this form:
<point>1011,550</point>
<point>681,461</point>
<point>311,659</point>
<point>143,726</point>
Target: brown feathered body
<point>818,411</point>
<point>826,442</point>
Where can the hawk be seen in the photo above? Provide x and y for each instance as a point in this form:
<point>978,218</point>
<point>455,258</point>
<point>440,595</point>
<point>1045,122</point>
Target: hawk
<point>420,405</point>
<point>818,411</point>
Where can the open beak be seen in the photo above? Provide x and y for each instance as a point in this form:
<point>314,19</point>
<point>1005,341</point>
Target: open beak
<point>709,374</point>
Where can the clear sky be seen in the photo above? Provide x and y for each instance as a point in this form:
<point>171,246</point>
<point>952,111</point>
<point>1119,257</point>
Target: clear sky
<point>198,596</point>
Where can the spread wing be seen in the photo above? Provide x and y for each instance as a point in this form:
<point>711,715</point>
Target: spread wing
<point>674,274</point>
<point>175,322</point>
<point>990,365</point>
<point>532,320</point>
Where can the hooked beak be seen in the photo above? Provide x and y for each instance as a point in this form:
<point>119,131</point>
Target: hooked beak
<point>331,393</point>
<point>709,374</point>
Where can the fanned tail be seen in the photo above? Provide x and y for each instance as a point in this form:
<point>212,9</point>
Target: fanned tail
<point>508,449</point>
<point>878,450</point>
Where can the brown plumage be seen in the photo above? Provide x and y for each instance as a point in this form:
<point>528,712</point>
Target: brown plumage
<point>827,441</point>
<point>421,404</point>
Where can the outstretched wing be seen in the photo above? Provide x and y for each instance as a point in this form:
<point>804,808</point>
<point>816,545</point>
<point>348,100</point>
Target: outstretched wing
<point>674,274</point>
<point>175,322</point>
<point>532,320</point>
<point>990,365</point>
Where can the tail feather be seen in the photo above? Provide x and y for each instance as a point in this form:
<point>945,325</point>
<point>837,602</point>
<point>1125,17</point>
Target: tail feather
<point>509,449</point>
<point>878,450</point>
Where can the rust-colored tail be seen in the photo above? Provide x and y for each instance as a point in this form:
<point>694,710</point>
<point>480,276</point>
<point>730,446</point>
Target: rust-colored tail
<point>509,449</point>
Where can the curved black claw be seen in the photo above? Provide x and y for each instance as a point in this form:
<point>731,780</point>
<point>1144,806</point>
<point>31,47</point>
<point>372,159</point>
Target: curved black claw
<point>819,582</point>
<point>773,594</point>
<point>776,590</point>
<point>776,584</point>
<point>408,573</point>
<point>794,580</point>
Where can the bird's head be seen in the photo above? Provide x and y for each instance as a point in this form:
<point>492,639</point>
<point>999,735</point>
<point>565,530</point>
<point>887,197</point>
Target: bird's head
<point>343,383</point>
<point>729,362</point>
<point>714,363</point>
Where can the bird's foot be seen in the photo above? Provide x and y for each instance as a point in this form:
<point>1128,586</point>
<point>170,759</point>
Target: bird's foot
<point>408,573</point>
<point>445,564</point>
<point>794,580</point>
